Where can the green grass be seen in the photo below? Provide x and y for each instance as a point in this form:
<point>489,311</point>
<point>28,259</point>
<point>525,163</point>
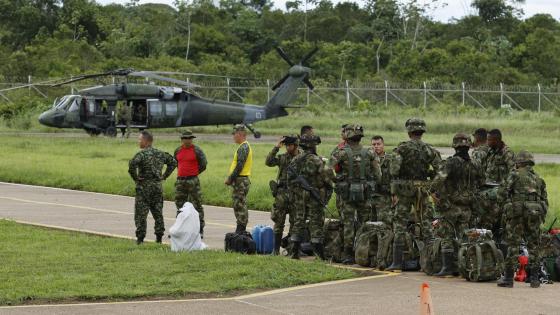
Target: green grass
<point>101,164</point>
<point>79,267</point>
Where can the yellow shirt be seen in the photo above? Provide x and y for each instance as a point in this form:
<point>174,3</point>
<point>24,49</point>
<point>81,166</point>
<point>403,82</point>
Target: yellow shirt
<point>246,170</point>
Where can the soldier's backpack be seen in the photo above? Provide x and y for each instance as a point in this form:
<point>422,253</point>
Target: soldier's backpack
<point>411,254</point>
<point>332,239</point>
<point>479,258</point>
<point>373,245</point>
<point>430,256</point>
<point>358,187</point>
<point>240,243</point>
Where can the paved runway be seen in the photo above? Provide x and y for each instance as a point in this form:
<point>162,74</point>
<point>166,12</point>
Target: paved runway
<point>384,294</point>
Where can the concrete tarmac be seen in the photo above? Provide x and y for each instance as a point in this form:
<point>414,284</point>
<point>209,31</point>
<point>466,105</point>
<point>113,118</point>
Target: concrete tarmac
<point>392,293</point>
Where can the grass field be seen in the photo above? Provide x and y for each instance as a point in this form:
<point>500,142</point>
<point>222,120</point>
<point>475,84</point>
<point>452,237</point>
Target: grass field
<point>81,267</point>
<point>101,164</point>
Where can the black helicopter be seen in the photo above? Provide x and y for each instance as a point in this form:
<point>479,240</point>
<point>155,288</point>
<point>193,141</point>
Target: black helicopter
<point>152,106</point>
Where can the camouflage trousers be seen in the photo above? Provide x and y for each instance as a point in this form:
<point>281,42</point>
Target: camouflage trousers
<point>382,208</point>
<point>281,208</point>
<point>518,228</point>
<point>354,214</point>
<point>149,198</point>
<point>452,224</point>
<point>188,190</point>
<point>416,209</point>
<point>240,190</point>
<point>306,207</point>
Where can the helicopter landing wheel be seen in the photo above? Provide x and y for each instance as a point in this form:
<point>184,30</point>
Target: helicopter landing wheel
<point>111,132</point>
<point>257,135</point>
<point>93,132</point>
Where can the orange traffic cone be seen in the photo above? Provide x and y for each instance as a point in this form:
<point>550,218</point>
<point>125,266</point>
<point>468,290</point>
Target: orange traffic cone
<point>426,307</point>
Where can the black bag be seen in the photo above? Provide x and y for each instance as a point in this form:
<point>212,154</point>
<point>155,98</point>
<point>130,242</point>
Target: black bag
<point>240,243</point>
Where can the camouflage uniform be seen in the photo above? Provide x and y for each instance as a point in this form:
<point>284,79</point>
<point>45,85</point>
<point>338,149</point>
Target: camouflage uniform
<point>382,209</point>
<point>413,164</point>
<point>188,189</point>
<point>240,183</point>
<point>456,185</point>
<point>308,169</point>
<point>145,169</point>
<point>479,155</point>
<point>526,205</point>
<point>359,169</point>
<point>124,117</point>
<point>282,199</point>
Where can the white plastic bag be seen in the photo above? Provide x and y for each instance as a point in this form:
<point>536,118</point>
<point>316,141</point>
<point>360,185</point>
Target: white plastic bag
<point>185,232</point>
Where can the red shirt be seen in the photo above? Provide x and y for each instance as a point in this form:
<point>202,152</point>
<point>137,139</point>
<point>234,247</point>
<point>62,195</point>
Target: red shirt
<point>187,164</point>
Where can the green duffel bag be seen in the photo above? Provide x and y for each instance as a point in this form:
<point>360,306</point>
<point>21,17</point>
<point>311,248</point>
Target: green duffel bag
<point>430,256</point>
<point>385,237</point>
<point>365,247</point>
<point>479,258</point>
<point>332,239</point>
<point>552,266</point>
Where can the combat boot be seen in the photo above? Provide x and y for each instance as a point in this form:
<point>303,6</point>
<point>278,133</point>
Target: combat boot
<point>535,281</point>
<point>397,257</point>
<point>201,233</point>
<point>506,281</point>
<point>240,228</point>
<point>158,239</point>
<point>348,256</point>
<point>139,241</point>
<point>319,250</point>
<point>447,265</point>
<point>295,249</point>
<point>277,241</point>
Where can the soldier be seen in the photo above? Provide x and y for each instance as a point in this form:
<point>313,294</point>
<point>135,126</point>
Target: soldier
<point>307,186</point>
<point>125,116</point>
<point>414,163</point>
<point>359,170</point>
<point>382,196</point>
<point>480,148</point>
<point>453,190</point>
<point>280,190</point>
<point>340,146</point>
<point>191,162</point>
<point>145,169</point>
<point>526,205</point>
<point>238,178</point>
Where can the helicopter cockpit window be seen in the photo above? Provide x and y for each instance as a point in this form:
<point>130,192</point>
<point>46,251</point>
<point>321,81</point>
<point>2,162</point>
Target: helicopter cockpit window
<point>63,103</point>
<point>171,109</point>
<point>155,108</point>
<point>74,107</point>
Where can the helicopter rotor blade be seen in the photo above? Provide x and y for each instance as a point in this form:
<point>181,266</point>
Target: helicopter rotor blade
<point>309,55</point>
<point>308,83</point>
<point>196,74</point>
<point>82,77</point>
<point>284,56</point>
<point>152,75</point>
<point>280,82</point>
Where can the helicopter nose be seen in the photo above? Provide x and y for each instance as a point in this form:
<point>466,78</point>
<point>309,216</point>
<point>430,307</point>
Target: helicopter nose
<point>46,119</point>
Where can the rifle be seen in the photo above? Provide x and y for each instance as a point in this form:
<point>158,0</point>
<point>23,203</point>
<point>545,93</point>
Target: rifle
<point>551,225</point>
<point>304,183</point>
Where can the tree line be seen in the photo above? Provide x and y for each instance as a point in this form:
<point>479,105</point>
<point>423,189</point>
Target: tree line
<point>375,40</point>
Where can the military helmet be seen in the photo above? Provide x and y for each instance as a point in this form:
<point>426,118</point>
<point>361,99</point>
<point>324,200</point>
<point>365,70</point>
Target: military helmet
<point>291,139</point>
<point>525,156</point>
<point>306,140</point>
<point>461,140</point>
<point>415,124</point>
<point>353,130</point>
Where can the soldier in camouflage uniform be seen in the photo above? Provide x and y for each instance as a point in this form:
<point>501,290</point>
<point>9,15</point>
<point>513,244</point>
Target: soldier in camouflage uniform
<point>453,190</point>
<point>526,205</point>
<point>413,164</point>
<point>191,162</point>
<point>340,146</point>
<point>382,210</point>
<point>145,169</point>
<point>124,116</point>
<point>480,148</point>
<point>280,189</point>
<point>359,171</point>
<point>238,178</point>
<point>308,187</point>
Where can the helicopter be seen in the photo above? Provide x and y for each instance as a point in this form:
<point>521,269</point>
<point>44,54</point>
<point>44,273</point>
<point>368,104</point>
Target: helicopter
<point>153,106</point>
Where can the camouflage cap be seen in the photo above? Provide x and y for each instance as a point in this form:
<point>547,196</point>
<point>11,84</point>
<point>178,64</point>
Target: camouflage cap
<point>187,134</point>
<point>525,156</point>
<point>353,130</point>
<point>309,140</point>
<point>239,127</point>
<point>291,139</point>
<point>415,124</point>
<point>461,140</point>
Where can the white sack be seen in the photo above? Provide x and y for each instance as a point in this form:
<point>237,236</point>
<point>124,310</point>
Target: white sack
<point>185,232</point>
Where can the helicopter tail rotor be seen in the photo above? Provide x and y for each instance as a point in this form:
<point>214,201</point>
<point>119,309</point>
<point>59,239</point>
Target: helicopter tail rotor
<point>296,70</point>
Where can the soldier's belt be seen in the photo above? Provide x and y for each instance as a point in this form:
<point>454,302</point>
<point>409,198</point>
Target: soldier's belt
<point>186,177</point>
<point>523,198</point>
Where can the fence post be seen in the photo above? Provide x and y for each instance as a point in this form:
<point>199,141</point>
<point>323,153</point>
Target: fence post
<point>539,89</point>
<point>347,94</point>
<point>29,82</point>
<point>425,95</point>
<point>386,93</point>
<point>501,95</point>
<point>307,96</point>
<point>267,89</point>
<point>463,88</point>
<point>227,80</point>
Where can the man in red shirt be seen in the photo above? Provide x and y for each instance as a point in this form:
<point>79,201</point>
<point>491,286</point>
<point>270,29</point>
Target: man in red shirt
<point>191,162</point>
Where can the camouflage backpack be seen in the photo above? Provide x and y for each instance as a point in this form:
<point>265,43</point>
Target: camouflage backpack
<point>373,245</point>
<point>415,160</point>
<point>479,258</point>
<point>332,239</point>
<point>430,256</point>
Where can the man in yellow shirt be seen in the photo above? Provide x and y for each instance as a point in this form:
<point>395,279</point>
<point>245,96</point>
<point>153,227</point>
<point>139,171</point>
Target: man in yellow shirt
<point>238,178</point>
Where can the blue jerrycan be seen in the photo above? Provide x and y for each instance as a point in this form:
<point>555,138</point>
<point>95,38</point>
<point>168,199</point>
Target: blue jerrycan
<point>263,235</point>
